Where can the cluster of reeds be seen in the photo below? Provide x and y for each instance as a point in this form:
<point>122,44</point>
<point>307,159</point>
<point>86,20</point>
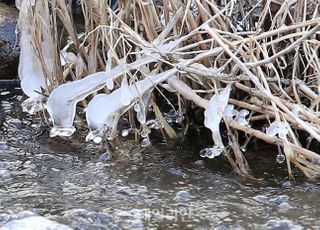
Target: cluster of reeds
<point>266,51</point>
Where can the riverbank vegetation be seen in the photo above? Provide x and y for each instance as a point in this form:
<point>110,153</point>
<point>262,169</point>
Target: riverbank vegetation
<point>245,68</point>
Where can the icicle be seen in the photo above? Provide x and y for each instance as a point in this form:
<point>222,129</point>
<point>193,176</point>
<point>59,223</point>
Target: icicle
<point>30,70</point>
<point>126,96</point>
<point>103,109</point>
<point>213,114</point>
<point>143,105</point>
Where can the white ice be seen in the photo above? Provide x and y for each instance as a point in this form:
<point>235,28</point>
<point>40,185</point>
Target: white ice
<point>214,113</point>
<point>278,128</point>
<point>62,101</point>
<point>30,70</point>
<point>104,109</point>
<point>33,222</point>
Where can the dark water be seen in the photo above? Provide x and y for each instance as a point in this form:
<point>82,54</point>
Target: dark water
<point>166,186</point>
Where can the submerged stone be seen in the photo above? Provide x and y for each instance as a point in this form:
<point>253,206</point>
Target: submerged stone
<point>282,225</point>
<point>33,223</point>
<point>4,145</point>
<point>182,195</point>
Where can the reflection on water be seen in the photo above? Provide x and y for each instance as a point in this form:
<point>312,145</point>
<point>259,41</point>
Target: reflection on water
<point>167,186</point>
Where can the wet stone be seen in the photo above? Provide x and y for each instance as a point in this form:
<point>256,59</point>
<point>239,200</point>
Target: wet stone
<point>282,225</point>
<point>262,199</point>
<point>279,199</point>
<point>284,206</point>
<point>287,184</point>
<point>182,195</point>
<point>5,174</point>
<point>4,146</point>
<point>199,162</point>
<point>105,157</point>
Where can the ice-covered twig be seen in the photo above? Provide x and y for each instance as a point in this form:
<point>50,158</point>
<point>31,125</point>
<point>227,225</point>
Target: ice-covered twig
<point>63,100</point>
<point>104,109</point>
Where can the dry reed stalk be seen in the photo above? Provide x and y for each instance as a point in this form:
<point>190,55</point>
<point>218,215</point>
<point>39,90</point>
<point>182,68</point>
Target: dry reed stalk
<point>268,49</point>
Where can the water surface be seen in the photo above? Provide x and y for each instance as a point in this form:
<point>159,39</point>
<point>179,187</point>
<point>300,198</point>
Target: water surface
<point>166,186</point>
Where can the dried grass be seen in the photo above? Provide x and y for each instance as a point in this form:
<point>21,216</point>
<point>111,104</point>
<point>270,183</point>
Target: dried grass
<point>267,49</point>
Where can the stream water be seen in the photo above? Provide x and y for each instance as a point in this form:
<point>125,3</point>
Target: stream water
<point>166,186</point>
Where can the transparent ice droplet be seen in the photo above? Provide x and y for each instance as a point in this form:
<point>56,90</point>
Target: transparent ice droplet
<point>62,131</point>
<point>243,148</point>
<point>33,105</point>
<point>217,150</point>
<point>241,117</point>
<point>280,158</point>
<point>179,118</point>
<point>154,124</point>
<point>136,107</point>
<point>97,139</point>
<point>210,153</point>
<point>145,142</point>
<point>273,129</point>
<point>203,152</point>
<point>110,83</point>
<point>283,130</point>
<point>229,113</point>
<point>168,119</point>
<point>125,132</point>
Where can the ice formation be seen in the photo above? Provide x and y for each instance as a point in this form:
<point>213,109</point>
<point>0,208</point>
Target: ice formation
<point>213,115</point>
<point>229,113</point>
<point>30,69</point>
<point>62,101</point>
<point>103,111</point>
<point>241,117</point>
<point>278,127</point>
<point>126,96</point>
